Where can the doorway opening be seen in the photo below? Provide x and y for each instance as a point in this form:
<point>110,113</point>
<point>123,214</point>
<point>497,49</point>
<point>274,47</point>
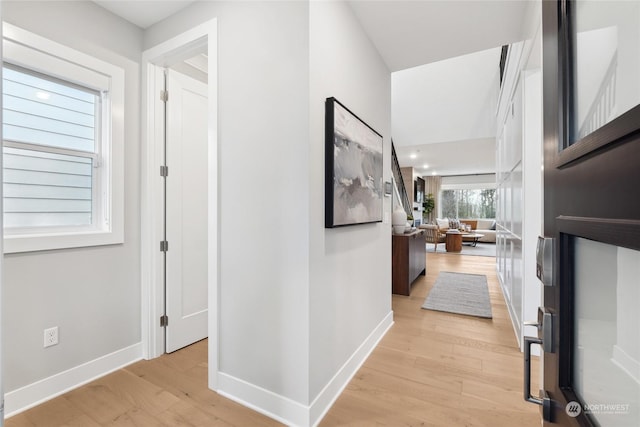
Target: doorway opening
<point>179,195</point>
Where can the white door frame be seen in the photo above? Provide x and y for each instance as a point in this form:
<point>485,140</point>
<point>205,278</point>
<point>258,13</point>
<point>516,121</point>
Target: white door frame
<point>152,195</point>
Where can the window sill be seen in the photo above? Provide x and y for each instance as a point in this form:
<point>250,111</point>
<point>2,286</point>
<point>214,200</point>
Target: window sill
<point>46,242</point>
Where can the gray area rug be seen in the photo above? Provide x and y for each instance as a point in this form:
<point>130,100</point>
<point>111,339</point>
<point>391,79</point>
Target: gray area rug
<point>482,249</point>
<point>460,293</point>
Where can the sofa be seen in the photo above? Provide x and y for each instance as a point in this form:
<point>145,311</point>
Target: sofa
<point>486,227</point>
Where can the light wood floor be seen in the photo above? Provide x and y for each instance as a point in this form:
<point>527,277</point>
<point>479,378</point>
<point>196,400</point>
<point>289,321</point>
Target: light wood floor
<point>441,369</point>
<point>431,369</point>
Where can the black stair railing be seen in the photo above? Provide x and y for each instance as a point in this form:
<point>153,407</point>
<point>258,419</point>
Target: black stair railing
<point>503,61</point>
<point>397,176</point>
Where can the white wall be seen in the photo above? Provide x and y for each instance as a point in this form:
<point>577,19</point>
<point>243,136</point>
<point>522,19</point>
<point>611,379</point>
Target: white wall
<point>91,294</point>
<point>350,267</point>
<point>263,121</point>
<point>297,301</point>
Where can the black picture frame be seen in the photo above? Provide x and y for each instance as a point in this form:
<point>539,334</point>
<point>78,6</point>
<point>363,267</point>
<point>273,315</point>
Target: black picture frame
<point>354,187</point>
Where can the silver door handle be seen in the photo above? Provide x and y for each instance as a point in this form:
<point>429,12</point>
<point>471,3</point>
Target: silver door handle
<point>527,369</point>
<point>545,402</point>
<point>545,329</point>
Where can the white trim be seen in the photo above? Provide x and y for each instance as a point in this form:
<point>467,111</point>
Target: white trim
<point>273,405</point>
<point>87,69</point>
<point>517,332</point>
<point>31,51</point>
<point>532,209</point>
<point>293,413</point>
<point>2,363</point>
<point>64,66</point>
<point>213,207</point>
<point>468,182</point>
<point>478,186</point>
<point>36,393</point>
<point>151,215</point>
<point>178,47</point>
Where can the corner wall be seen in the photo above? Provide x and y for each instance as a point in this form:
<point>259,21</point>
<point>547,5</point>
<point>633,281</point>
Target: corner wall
<point>350,267</point>
<point>263,151</point>
<point>300,306</point>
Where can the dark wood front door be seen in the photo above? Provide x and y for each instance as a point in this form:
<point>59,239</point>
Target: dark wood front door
<point>592,211</point>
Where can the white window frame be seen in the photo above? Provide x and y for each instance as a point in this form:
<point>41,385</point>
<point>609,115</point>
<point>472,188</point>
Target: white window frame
<point>33,52</point>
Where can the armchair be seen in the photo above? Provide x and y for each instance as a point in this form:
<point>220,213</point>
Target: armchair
<point>432,235</point>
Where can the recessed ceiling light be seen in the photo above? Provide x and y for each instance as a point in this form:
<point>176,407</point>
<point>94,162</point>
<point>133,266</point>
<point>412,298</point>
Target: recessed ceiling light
<point>413,155</point>
<point>43,95</point>
<point>433,173</point>
<point>426,166</point>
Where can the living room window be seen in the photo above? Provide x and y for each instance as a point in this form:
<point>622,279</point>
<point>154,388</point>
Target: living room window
<point>62,146</point>
<point>468,203</point>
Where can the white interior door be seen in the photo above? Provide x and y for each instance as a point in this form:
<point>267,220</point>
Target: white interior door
<point>186,216</point>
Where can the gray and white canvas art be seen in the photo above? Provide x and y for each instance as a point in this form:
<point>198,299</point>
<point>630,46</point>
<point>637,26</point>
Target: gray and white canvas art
<point>358,188</point>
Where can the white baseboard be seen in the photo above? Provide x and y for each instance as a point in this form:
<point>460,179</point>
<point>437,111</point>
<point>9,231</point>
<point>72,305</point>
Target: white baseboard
<point>517,328</point>
<point>293,413</point>
<point>325,399</point>
<point>273,405</point>
<point>512,315</point>
<point>26,397</point>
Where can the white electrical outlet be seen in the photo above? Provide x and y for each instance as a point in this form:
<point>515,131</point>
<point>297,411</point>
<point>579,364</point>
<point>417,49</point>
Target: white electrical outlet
<point>50,336</point>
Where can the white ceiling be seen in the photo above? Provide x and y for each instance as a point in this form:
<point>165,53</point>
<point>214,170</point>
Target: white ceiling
<point>412,33</point>
<point>144,13</point>
<point>443,112</point>
<point>447,102</point>
<point>465,157</point>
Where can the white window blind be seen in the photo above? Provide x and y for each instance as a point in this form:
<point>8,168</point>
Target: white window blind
<point>51,142</point>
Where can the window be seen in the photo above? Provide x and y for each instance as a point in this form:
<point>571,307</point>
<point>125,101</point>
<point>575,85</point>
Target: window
<point>62,146</point>
<point>605,62</point>
<point>478,203</point>
<point>51,136</point>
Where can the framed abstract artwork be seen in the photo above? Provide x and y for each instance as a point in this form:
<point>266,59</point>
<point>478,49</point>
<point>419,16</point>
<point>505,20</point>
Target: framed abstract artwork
<point>354,189</point>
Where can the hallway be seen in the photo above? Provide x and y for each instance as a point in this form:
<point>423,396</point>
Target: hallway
<point>441,369</point>
<point>431,368</point>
